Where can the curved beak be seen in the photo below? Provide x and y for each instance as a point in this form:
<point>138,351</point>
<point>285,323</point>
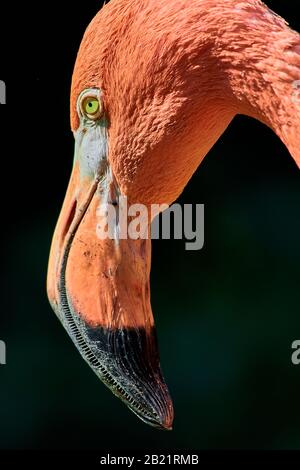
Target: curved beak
<point>98,287</point>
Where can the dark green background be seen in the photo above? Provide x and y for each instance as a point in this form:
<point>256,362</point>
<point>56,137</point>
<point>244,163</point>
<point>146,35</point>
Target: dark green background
<point>226,316</point>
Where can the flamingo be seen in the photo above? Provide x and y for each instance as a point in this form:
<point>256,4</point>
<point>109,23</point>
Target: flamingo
<point>155,84</point>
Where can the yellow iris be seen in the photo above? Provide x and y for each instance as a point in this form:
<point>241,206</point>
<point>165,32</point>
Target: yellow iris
<point>91,107</point>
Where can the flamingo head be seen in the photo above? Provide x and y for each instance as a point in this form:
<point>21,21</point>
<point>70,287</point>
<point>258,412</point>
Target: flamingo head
<point>155,84</point>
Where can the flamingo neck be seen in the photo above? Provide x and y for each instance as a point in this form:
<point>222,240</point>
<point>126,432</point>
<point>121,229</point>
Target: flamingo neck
<point>261,58</point>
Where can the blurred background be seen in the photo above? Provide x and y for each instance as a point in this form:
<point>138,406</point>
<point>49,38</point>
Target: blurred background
<point>226,315</point>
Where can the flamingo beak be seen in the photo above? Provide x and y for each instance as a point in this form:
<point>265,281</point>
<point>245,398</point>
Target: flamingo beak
<point>99,287</point>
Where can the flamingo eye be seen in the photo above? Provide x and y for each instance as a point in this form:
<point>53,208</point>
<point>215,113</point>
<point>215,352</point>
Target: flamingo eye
<point>91,107</point>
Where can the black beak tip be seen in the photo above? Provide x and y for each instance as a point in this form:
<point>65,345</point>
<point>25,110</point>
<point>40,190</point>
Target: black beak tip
<point>163,418</point>
<point>164,424</point>
<point>127,362</point>
<point>167,427</point>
